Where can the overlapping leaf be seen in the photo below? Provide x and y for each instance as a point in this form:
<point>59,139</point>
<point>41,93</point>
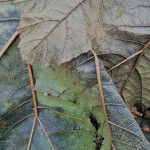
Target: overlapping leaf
<point>125,131</point>
<point>123,31</point>
<point>67,106</point>
<point>52,32</point>
<point>63,105</point>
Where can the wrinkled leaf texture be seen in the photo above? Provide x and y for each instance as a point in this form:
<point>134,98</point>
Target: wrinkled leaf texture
<point>16,126</point>
<point>123,31</point>
<point>125,132</point>
<point>137,87</point>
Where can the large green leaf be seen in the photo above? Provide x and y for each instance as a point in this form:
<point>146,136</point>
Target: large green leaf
<point>66,96</point>
<point>113,28</point>
<point>64,107</point>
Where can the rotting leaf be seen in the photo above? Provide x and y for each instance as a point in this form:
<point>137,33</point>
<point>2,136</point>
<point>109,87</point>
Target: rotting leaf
<point>111,29</point>
<point>123,30</point>
<point>118,74</point>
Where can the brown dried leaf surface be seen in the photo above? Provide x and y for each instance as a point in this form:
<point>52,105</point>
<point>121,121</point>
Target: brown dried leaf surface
<point>137,87</point>
<point>54,32</point>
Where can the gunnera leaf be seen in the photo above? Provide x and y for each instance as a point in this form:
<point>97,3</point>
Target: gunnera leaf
<point>126,134</point>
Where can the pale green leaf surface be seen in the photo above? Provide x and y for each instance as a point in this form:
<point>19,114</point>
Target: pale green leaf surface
<point>74,99</point>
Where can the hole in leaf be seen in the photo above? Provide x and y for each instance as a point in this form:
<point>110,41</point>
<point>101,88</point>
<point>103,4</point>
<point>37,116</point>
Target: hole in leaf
<point>98,139</point>
<point>94,122</point>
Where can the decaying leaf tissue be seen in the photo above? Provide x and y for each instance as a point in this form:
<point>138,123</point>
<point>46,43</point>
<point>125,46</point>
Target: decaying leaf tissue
<point>74,75</point>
